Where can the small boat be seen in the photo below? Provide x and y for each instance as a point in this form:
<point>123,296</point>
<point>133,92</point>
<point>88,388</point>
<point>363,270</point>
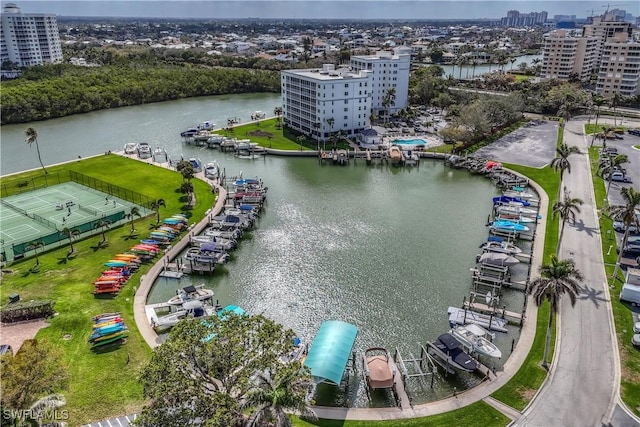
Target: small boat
<point>474,338</point>
<point>144,150</point>
<point>395,154</point>
<point>225,234</point>
<point>520,194</point>
<point>377,368</point>
<point>449,350</point>
<point>189,132</point>
<point>190,309</point>
<point>298,354</point>
<point>130,148</point>
<point>503,200</point>
<point>196,164</point>
<point>206,125</point>
<point>211,170</point>
<point>515,218</point>
<point>516,208</point>
<point>226,244</point>
<point>508,226</point>
<point>461,316</point>
<point>206,257</point>
<point>501,247</point>
<point>191,293</point>
<point>497,259</point>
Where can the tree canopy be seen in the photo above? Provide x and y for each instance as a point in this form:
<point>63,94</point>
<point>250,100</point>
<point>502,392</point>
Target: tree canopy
<point>206,372</point>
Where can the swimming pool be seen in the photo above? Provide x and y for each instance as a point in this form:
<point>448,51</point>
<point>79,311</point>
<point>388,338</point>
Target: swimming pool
<point>412,142</point>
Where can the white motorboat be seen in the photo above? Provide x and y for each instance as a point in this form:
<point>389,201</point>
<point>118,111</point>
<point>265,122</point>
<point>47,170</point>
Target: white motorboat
<point>226,244</point>
<point>520,219</point>
<point>191,293</point>
<point>516,208</point>
<point>144,150</point>
<point>212,170</point>
<point>474,338</point>
<point>497,259</point>
<point>206,257</point>
<point>130,148</point>
<point>190,309</point>
<point>521,195</point>
<point>501,247</point>
<point>234,234</point>
<point>461,316</point>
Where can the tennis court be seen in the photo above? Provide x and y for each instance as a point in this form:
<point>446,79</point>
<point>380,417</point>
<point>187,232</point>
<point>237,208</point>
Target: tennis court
<point>42,214</point>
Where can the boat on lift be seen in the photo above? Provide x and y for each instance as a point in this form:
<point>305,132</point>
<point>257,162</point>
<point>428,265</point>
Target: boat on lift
<point>500,246</point>
<point>474,337</point>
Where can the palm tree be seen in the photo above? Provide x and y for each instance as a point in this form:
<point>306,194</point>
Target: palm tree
<point>155,205</point>
<point>611,165</point>
<point>70,234</point>
<point>34,246</point>
<point>132,214</point>
<point>103,224</point>
<point>389,100</point>
<point>278,113</point>
<point>598,102</point>
<point>615,101</point>
<point>567,209</point>
<point>32,136</point>
<point>561,161</point>
<point>557,278</point>
<point>330,121</point>
<point>273,394</point>
<point>628,214</point>
<point>565,113</point>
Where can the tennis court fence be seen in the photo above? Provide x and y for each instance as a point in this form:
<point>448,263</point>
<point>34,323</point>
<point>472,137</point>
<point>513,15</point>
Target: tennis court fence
<point>112,189</point>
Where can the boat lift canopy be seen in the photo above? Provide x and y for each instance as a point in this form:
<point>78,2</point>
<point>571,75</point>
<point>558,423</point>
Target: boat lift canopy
<point>331,350</point>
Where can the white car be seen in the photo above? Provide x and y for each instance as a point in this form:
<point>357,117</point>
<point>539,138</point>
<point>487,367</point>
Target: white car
<point>636,340</point>
<point>619,226</point>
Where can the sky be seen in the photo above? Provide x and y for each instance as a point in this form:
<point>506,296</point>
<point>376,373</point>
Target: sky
<point>325,9</point>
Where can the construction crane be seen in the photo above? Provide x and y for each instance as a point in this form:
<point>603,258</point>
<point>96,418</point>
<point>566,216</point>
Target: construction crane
<point>592,11</point>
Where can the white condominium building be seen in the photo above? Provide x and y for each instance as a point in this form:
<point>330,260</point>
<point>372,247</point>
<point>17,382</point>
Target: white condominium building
<point>321,102</point>
<point>28,39</point>
<point>389,70</point>
<point>619,67</point>
<point>565,55</point>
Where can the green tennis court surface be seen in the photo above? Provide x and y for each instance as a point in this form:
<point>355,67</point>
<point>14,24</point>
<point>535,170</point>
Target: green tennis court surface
<point>42,214</point>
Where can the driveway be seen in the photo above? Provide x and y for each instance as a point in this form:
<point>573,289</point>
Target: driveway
<point>531,145</point>
<point>15,334</point>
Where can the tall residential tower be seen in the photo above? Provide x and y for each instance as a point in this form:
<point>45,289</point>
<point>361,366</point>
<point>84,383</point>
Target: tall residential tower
<point>28,39</point>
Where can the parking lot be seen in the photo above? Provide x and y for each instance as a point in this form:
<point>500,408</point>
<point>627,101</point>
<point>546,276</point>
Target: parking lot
<point>534,145</point>
<point>625,146</point>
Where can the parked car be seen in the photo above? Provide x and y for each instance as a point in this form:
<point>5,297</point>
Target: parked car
<point>635,132</point>
<point>619,226</point>
<point>618,176</point>
<point>636,340</point>
<point>5,352</point>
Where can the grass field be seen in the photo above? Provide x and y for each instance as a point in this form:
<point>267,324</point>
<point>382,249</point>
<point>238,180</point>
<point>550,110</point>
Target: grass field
<point>101,384</point>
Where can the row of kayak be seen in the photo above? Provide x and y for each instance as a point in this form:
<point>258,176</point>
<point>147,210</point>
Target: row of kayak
<point>108,328</point>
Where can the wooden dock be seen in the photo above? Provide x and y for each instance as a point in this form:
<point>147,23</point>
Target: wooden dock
<point>511,316</point>
<point>398,384</point>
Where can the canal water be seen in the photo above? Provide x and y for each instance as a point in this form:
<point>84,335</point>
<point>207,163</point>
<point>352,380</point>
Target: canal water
<point>387,249</point>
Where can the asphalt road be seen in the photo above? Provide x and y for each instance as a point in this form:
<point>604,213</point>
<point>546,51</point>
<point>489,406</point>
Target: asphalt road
<point>582,387</point>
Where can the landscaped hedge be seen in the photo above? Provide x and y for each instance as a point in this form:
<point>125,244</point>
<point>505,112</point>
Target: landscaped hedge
<point>16,312</point>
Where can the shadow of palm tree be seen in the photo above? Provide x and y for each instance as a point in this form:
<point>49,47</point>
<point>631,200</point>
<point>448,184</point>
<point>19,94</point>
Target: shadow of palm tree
<point>588,293</point>
<point>62,260</point>
<point>100,245</point>
<point>579,226</point>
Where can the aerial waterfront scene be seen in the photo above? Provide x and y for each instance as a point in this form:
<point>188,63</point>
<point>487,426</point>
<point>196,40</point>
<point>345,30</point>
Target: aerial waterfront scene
<point>268,213</point>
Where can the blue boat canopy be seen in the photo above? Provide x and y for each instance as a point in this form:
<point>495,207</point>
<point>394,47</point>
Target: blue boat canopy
<point>330,351</point>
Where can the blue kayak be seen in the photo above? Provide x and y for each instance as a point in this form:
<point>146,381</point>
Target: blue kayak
<point>509,225</point>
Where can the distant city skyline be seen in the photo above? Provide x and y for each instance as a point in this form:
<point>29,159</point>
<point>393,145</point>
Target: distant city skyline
<point>318,9</point>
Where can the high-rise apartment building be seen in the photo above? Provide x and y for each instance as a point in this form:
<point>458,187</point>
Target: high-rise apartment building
<point>603,45</point>
<point>619,67</point>
<point>321,102</point>
<point>517,19</point>
<point>566,56</point>
<point>28,39</point>
<point>389,71</point>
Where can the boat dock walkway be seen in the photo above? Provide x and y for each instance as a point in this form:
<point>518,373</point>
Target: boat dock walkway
<point>401,393</point>
<point>511,316</point>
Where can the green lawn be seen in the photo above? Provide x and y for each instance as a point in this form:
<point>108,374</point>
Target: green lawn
<point>591,128</point>
<point>476,414</point>
<point>101,384</point>
<point>622,314</point>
